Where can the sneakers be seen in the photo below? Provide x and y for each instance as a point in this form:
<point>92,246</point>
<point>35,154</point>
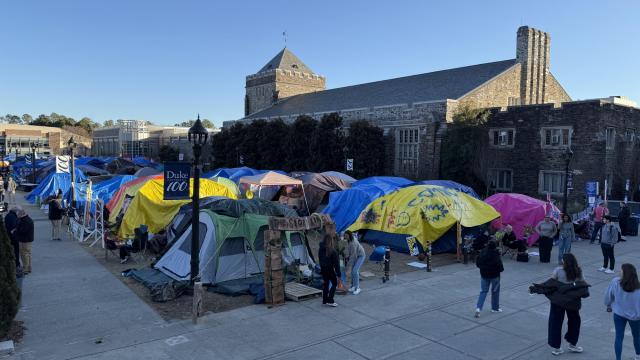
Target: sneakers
<point>352,289</point>
<point>602,269</point>
<point>496,311</point>
<point>122,261</point>
<point>575,349</point>
<point>557,351</point>
<point>331,304</point>
<point>356,291</point>
<point>477,315</point>
<point>609,271</point>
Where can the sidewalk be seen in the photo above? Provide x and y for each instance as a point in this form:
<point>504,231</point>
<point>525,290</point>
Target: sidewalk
<point>70,301</point>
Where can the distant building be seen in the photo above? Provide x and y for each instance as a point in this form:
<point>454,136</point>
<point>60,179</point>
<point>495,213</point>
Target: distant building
<point>17,139</point>
<point>412,110</point>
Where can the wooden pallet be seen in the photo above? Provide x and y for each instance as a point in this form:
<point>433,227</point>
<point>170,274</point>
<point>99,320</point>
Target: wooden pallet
<point>300,292</point>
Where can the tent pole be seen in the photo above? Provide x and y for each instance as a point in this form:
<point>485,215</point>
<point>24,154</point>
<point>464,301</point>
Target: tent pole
<point>305,200</point>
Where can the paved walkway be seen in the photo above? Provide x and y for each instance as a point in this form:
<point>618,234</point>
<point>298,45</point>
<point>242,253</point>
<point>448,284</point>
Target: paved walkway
<point>74,309</point>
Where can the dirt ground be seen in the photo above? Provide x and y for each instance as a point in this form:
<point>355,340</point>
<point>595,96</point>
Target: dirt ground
<point>180,308</point>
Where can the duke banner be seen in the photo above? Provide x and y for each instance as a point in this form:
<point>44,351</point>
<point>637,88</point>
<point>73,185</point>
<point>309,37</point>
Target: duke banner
<point>176,180</point>
<point>62,164</point>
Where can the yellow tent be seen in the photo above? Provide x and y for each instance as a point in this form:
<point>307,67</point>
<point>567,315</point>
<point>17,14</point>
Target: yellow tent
<point>228,183</point>
<point>149,208</point>
<point>424,211</point>
<point>128,191</point>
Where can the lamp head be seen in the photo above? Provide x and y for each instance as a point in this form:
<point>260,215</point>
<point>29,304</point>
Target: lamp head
<point>198,134</point>
<point>71,143</point>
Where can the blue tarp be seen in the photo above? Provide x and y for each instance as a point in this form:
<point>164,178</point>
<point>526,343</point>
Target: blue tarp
<point>103,190</point>
<point>234,174</point>
<point>345,206</point>
<point>451,185</point>
<point>52,183</point>
<point>89,160</point>
<point>398,242</point>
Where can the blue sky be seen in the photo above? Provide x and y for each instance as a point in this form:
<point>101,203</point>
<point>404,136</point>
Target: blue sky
<point>165,61</point>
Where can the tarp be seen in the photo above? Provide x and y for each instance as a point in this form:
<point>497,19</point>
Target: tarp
<point>234,174</point>
<point>522,213</point>
<point>122,166</point>
<point>90,170</point>
<point>345,206</point>
<point>147,171</point>
<point>52,183</point>
<point>149,208</point>
<point>270,178</point>
<point>340,175</point>
<point>103,190</point>
<point>128,190</point>
<point>317,185</point>
<point>451,185</point>
<point>89,160</point>
<point>424,211</point>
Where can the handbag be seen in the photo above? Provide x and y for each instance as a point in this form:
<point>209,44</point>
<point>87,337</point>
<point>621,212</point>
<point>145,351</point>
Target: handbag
<point>522,257</point>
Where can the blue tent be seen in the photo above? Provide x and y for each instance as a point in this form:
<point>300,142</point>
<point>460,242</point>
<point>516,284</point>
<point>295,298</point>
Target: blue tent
<point>398,242</point>
<point>234,174</point>
<point>92,161</point>
<point>103,190</point>
<point>52,183</point>
<point>451,185</point>
<point>345,206</point>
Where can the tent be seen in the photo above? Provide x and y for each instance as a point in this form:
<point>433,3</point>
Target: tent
<point>230,249</point>
<point>522,212</point>
<point>345,206</point>
<point>425,212</point>
<point>316,186</point>
<point>122,166</point>
<point>102,190</point>
<point>340,175</point>
<point>451,185</point>
<point>149,208</point>
<point>266,185</point>
<point>50,185</point>
<point>124,194</point>
<point>228,183</point>
<point>234,174</point>
<point>147,171</point>
<point>90,170</point>
<point>89,160</point>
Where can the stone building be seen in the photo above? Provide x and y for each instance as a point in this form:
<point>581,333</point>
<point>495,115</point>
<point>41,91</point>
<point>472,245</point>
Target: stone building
<point>412,110</point>
<point>525,147</point>
<point>17,139</point>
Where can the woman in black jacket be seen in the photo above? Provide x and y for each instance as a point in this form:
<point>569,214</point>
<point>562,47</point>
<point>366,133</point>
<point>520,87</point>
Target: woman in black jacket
<point>330,268</point>
<point>490,264</point>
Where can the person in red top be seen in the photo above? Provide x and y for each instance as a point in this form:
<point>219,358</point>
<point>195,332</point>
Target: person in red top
<point>598,213</point>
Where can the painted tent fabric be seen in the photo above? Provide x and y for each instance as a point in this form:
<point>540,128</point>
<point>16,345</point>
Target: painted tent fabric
<point>451,185</point>
<point>149,208</point>
<point>345,206</point>
<point>424,211</point>
<point>522,212</point>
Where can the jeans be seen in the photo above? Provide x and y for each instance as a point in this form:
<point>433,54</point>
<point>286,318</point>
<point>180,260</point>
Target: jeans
<point>545,244</point>
<point>495,292</point>
<point>597,227</point>
<point>328,276</point>
<point>607,253</point>
<point>556,318</point>
<point>355,272</point>
<point>25,255</point>
<point>564,246</point>
<point>620,323</point>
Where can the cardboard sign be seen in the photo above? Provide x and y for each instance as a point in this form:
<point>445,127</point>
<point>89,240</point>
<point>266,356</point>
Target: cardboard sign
<point>176,180</point>
<point>299,223</point>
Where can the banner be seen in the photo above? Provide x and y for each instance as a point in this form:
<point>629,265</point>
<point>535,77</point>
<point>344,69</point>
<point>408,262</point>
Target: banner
<point>27,159</point>
<point>591,192</point>
<point>62,164</point>
<point>176,180</point>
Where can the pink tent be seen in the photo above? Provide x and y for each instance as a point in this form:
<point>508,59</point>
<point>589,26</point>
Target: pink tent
<point>521,212</point>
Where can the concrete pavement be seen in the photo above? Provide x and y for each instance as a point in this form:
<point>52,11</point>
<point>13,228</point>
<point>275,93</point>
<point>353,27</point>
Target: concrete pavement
<point>75,309</point>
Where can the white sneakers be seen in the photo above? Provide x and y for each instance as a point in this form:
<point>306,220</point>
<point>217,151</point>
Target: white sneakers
<point>354,290</point>
<point>602,269</point>
<point>609,271</point>
<point>331,304</point>
<point>572,348</point>
<point>497,311</point>
<point>557,351</point>
<point>351,289</point>
<point>477,315</point>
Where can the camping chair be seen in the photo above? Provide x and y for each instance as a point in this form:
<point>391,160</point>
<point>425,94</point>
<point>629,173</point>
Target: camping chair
<point>506,250</point>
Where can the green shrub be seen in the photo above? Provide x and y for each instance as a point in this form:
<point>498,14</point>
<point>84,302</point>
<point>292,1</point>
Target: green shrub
<point>9,291</point>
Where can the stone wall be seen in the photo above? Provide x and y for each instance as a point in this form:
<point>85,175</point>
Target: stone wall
<point>290,83</point>
<point>592,160</point>
<point>554,92</point>
<point>266,88</point>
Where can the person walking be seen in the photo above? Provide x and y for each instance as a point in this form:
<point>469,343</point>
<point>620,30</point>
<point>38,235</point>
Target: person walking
<point>568,273</point>
<point>24,234</point>
<point>11,187</point>
<point>567,236</point>
<point>599,212</point>
<point>10,223</point>
<point>490,264</point>
<point>330,269</point>
<point>55,216</point>
<point>608,239</point>
<point>547,230</point>
<point>355,261</point>
<point>623,298</point>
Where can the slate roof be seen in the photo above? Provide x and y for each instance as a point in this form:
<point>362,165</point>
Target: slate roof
<point>286,60</point>
<point>433,86</point>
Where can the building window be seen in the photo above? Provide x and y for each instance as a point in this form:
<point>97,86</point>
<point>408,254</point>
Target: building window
<point>502,137</point>
<point>611,138</point>
<point>501,179</point>
<point>557,137</point>
<point>551,182</point>
<point>630,136</point>
<point>408,143</point>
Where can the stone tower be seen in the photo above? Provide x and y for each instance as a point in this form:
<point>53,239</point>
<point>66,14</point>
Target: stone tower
<point>532,53</point>
<point>284,76</point>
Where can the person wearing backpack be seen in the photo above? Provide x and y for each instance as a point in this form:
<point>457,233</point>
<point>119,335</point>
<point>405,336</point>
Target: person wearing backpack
<point>490,264</point>
<point>623,298</point>
<point>55,216</point>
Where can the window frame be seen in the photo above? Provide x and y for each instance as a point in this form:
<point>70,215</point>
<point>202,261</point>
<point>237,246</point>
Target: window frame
<point>495,142</point>
<point>541,189</point>
<point>408,151</point>
<point>610,145</point>
<point>552,129</point>
<point>498,172</point>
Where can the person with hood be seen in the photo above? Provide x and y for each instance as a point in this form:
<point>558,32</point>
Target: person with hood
<point>623,298</point>
<point>330,269</point>
<point>490,264</point>
<point>10,223</point>
<point>355,261</point>
<point>608,238</point>
<point>569,273</point>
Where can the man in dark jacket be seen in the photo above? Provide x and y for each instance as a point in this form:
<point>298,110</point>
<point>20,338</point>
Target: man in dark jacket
<point>490,264</point>
<point>330,269</point>
<point>623,220</point>
<point>10,223</point>
<point>55,216</point>
<point>24,234</point>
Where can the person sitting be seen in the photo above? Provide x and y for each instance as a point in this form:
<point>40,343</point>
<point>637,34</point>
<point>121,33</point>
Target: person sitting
<point>509,240</point>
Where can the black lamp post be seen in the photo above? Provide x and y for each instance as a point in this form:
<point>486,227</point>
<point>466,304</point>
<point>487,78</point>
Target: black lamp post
<point>568,155</point>
<point>198,138</point>
<point>72,145</point>
<point>34,146</point>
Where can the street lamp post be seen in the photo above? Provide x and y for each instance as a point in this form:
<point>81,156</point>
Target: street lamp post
<point>198,138</point>
<point>34,146</point>
<point>568,155</point>
<point>72,145</point>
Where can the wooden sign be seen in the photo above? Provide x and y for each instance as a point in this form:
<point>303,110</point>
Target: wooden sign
<point>314,221</point>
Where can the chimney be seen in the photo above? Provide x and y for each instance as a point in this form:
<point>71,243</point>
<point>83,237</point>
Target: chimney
<point>532,52</point>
